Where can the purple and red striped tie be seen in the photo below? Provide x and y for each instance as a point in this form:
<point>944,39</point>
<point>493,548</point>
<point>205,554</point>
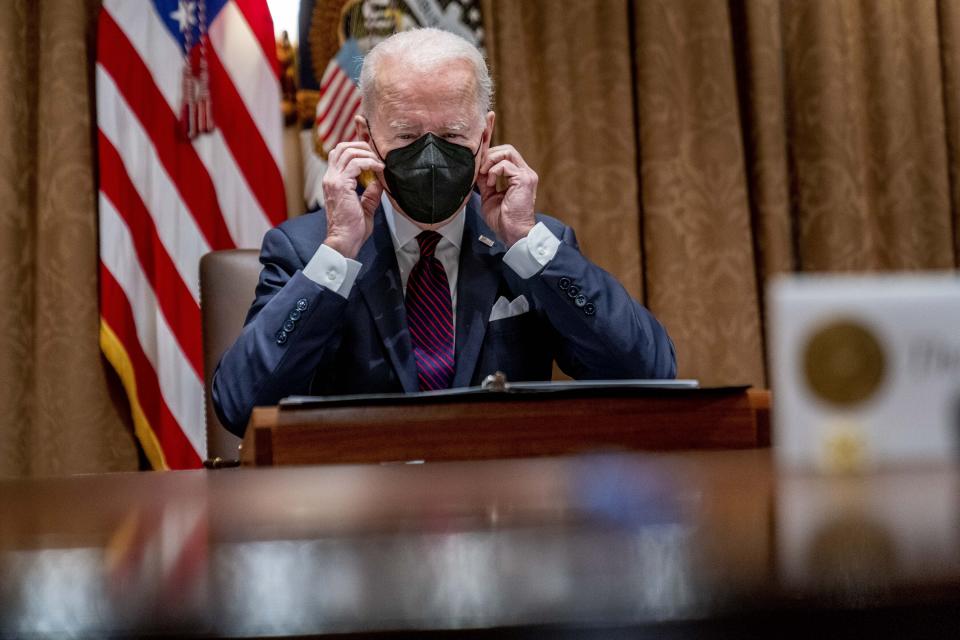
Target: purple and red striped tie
<point>430,317</point>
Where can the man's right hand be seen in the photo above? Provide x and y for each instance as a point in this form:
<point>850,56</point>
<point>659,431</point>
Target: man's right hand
<point>350,217</point>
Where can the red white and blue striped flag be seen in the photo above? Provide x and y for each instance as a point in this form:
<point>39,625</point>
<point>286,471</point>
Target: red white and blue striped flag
<point>339,100</point>
<point>189,138</point>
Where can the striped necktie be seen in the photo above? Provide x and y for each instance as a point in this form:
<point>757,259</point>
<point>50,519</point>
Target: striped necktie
<point>430,317</point>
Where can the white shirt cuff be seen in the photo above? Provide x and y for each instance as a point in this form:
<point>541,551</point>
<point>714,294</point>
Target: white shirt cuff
<point>332,270</point>
<point>529,255</point>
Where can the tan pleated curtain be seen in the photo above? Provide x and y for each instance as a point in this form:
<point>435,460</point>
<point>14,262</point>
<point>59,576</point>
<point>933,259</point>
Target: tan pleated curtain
<point>701,146</point>
<point>697,146</point>
<point>58,414</point>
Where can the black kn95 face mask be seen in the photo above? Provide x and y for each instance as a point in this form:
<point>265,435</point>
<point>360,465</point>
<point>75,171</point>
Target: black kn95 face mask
<point>429,177</point>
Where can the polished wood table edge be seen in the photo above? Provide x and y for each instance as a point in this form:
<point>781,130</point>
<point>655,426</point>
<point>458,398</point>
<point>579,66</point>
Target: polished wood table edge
<point>508,427</point>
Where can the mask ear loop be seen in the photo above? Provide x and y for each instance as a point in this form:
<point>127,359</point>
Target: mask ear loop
<point>475,187</point>
<point>475,153</point>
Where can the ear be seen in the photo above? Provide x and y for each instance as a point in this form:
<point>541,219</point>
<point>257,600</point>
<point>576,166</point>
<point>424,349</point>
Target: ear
<point>363,131</point>
<point>487,138</point>
<point>488,127</point>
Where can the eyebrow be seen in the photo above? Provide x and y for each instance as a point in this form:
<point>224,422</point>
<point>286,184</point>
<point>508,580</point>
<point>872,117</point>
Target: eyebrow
<point>456,125</point>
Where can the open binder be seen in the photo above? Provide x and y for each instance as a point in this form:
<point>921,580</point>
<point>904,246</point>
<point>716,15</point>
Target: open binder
<point>496,387</point>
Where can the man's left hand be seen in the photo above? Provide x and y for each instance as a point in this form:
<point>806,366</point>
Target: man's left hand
<point>509,213</point>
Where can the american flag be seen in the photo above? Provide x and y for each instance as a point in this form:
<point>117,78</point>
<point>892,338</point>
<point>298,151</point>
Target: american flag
<point>339,99</point>
<point>168,195</point>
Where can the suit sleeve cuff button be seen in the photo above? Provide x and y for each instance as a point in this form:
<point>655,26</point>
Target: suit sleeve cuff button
<point>302,304</point>
<point>589,309</point>
<point>564,283</point>
<point>281,337</point>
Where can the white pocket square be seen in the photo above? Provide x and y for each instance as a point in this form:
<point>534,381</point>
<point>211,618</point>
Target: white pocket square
<point>504,308</point>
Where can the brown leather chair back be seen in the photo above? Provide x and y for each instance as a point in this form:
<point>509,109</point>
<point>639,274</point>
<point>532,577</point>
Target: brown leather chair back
<point>228,280</point>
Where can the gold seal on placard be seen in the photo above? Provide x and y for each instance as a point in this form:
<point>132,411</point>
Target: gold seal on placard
<point>844,363</point>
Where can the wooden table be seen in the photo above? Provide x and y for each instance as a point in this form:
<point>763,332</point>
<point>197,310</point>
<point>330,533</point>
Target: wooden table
<point>487,426</point>
<point>707,544</point>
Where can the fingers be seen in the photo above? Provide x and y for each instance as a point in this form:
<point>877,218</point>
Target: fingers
<point>356,166</point>
<point>500,153</point>
<point>347,161</point>
<point>346,180</point>
<point>350,158</point>
<point>505,162</point>
<point>503,168</point>
<point>486,191</point>
<point>513,173</point>
<point>345,164</point>
<point>335,153</point>
<point>371,197</point>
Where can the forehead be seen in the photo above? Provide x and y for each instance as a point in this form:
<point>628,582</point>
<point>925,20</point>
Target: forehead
<point>409,96</point>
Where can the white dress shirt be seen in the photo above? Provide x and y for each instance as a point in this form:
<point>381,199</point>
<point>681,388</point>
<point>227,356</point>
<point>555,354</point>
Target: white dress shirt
<point>527,257</point>
<point>405,243</point>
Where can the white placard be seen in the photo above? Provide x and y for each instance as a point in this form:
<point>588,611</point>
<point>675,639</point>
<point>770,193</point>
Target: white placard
<point>865,369</point>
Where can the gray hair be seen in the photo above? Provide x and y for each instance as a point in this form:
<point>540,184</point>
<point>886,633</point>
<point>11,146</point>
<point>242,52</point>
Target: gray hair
<point>425,50</point>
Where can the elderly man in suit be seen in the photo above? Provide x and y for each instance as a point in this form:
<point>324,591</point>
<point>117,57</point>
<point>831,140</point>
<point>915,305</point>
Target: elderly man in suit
<point>432,277</point>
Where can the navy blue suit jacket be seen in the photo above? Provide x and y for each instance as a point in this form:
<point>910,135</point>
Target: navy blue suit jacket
<point>579,315</point>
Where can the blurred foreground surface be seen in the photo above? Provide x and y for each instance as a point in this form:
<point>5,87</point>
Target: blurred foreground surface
<point>681,545</point>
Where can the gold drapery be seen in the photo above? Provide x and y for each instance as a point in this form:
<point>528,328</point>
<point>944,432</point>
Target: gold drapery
<point>59,413</point>
<point>701,146</point>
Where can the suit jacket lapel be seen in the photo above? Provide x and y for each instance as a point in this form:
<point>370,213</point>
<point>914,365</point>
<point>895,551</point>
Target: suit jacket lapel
<point>379,283</point>
<point>477,285</point>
